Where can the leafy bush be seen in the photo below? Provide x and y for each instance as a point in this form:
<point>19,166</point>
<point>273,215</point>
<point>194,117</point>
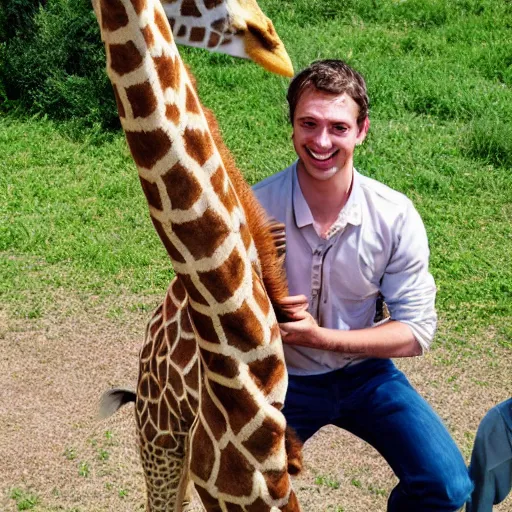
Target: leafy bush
<point>58,68</point>
<point>16,17</point>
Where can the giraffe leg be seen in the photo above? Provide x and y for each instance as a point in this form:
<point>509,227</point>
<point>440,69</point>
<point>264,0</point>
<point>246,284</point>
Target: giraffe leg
<point>166,402</point>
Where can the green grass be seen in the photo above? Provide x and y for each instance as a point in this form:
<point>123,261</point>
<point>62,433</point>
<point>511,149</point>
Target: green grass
<point>25,500</point>
<point>73,217</point>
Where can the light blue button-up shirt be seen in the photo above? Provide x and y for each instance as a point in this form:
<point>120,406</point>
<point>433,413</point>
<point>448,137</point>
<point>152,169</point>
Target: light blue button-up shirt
<point>378,244</point>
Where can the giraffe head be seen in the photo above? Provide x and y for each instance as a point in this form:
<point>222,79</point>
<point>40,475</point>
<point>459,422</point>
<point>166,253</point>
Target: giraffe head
<point>234,27</point>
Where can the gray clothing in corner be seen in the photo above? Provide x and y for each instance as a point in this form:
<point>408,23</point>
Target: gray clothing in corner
<point>491,460</point>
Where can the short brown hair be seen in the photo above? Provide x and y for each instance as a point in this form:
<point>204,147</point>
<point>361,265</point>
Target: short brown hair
<point>333,77</point>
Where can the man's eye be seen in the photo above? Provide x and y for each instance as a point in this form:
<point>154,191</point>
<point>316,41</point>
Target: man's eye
<point>340,128</point>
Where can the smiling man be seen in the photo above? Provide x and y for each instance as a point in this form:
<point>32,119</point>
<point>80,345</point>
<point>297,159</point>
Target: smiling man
<point>349,241</point>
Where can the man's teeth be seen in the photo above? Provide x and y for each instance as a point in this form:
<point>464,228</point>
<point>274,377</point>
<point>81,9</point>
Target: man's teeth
<point>321,157</point>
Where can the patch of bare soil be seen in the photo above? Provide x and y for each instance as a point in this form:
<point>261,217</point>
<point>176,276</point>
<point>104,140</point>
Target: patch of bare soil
<point>58,456</point>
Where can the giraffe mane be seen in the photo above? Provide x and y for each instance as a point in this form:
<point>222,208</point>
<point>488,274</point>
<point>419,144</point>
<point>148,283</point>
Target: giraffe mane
<point>274,277</point>
<point>273,273</point>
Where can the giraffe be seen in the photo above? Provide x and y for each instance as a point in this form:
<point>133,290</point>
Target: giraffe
<point>212,377</point>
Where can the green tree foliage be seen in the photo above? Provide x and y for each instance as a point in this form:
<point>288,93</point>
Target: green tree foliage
<point>54,64</point>
<point>16,17</point>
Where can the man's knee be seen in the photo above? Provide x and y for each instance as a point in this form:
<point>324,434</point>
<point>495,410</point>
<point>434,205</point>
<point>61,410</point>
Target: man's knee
<point>452,489</point>
<point>446,490</point>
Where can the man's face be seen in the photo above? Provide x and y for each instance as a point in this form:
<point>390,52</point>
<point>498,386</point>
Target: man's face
<point>325,133</point>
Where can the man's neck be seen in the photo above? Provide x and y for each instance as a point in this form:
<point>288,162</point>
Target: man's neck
<point>325,198</point>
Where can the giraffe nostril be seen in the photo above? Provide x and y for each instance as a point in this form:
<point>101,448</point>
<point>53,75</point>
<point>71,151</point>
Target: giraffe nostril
<point>262,37</point>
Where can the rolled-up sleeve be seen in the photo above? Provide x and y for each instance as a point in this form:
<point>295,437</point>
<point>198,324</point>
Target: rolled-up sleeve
<point>407,286</point>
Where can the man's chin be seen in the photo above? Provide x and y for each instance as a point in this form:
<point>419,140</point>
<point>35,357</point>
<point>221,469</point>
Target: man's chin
<point>320,174</point>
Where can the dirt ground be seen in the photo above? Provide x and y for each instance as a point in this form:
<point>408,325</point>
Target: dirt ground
<point>56,455</point>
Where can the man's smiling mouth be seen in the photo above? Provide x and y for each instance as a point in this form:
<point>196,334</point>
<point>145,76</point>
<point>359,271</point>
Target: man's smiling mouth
<point>321,157</point>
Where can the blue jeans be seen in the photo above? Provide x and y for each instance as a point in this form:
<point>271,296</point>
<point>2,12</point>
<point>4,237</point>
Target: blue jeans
<point>375,401</point>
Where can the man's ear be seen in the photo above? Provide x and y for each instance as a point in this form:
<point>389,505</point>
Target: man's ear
<point>363,130</point>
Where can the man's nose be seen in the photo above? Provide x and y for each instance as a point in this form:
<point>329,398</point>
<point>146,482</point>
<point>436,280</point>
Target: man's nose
<point>322,139</point>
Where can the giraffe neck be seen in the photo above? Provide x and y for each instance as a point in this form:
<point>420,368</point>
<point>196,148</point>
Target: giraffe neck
<point>192,202</point>
<point>180,169</point>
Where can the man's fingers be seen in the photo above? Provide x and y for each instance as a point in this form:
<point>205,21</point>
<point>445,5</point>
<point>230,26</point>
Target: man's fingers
<point>293,300</point>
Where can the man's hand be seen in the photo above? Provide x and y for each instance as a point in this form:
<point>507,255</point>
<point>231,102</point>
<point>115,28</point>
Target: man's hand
<point>303,331</point>
<point>287,307</point>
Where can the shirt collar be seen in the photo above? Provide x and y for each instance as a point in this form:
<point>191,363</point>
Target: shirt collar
<point>350,213</point>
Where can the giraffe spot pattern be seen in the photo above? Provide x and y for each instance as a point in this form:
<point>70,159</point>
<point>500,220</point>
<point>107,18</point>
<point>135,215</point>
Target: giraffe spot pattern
<point>172,112</point>
<point>175,381</point>
<point>171,330</point>
<point>213,417</point>
<point>246,236</point>
<point>204,326</point>
<point>165,441</point>
<point>153,412</point>
<point>169,246</point>
<point>223,365</point>
<point>168,71</point>
<point>163,25</point>
<point>138,5</point>
<point>267,373</point>
<point>225,280</point>
<point>203,454</point>
<point>172,23</point>
<point>220,25</point>
<point>177,290</point>
<point>191,103</point>
<point>170,398</point>
<point>152,193</point>
<point>211,4</point>
<point>260,295</point>
<point>149,432</point>
<point>243,330</point>
<point>265,441</point>
<point>162,343</point>
<point>213,40</point>
<point>162,372</point>
<point>124,58</point>
<point>139,402</point>
<point>239,404</point>
<point>197,34</point>
<point>119,103</point>
<point>148,148</point>
<point>182,186</point>
<point>198,145</point>
<point>204,235</point>
<point>192,290</point>
<point>142,99</point>
<point>184,352</point>
<point>143,390</point>
<point>182,31</point>
<point>189,8</point>
<point>235,473</point>
<point>258,506</point>
<point>226,195</point>
<point>113,15</point>
<point>164,416</point>
<point>148,35</point>
<point>146,351</point>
